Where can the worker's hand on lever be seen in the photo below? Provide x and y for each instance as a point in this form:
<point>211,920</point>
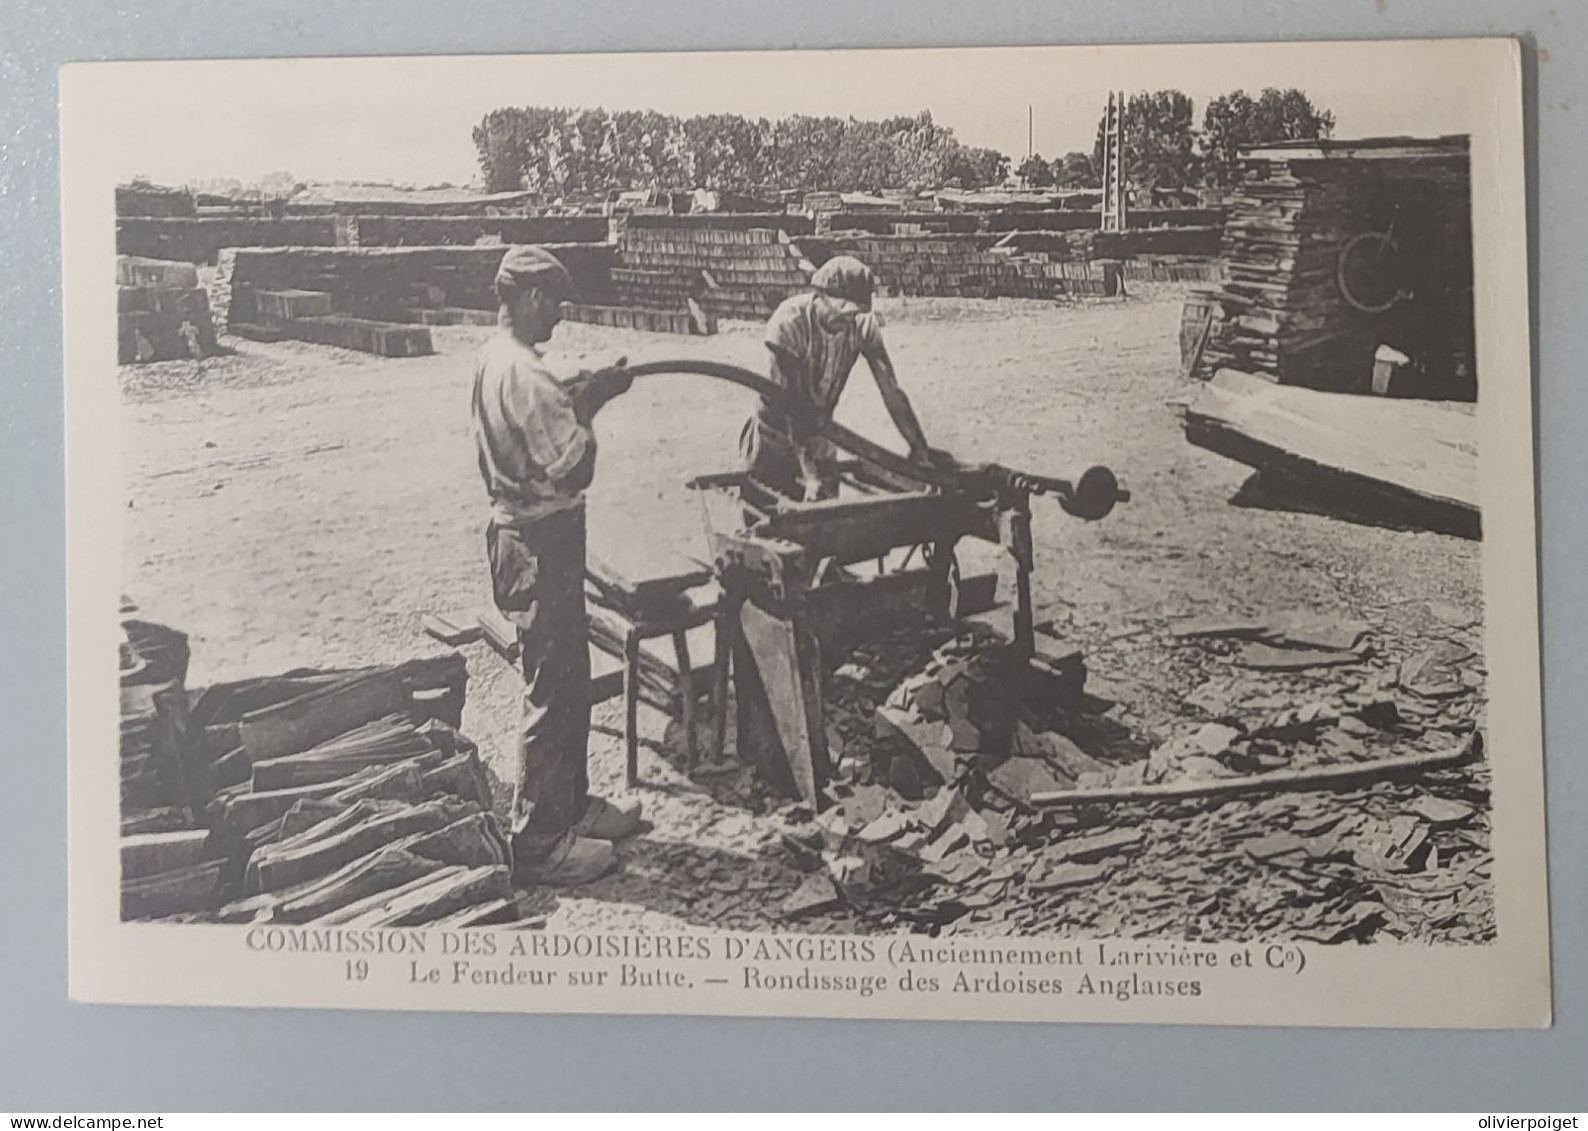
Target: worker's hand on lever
<point>592,391</point>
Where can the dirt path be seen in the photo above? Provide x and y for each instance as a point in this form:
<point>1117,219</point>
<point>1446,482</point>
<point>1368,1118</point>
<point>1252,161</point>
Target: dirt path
<point>295,505</point>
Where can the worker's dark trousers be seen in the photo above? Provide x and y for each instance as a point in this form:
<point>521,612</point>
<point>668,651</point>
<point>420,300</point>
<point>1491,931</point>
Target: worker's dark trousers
<point>537,572</point>
<point>769,458</point>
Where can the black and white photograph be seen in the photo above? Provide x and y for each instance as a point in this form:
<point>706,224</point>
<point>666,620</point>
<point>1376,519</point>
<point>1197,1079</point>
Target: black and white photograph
<point>1028,533</point>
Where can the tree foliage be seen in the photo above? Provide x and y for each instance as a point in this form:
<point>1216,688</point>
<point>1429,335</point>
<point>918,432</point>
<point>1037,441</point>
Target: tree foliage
<point>1035,172</point>
<point>558,152</point>
<point>1076,170</point>
<point>561,151</point>
<point>1236,119</point>
<point>1160,141</point>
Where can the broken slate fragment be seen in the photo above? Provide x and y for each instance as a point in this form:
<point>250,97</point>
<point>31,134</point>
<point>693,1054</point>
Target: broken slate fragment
<point>1214,738</point>
<point>850,871</point>
<point>997,827</point>
<point>1402,846</point>
<point>865,805</point>
<point>959,867</point>
<point>1095,846</point>
<point>1209,627</point>
<point>1456,616</point>
<point>889,826</point>
<point>946,805</point>
<point>1311,630</point>
<point>1264,657</point>
<point>1440,813</point>
<point>1071,875</point>
<point>904,778</point>
<point>1312,826</point>
<point>1434,673</point>
<point>928,700</point>
<point>818,893</point>
<point>1068,758</point>
<point>1199,768</point>
<point>950,840</point>
<point>1276,846</point>
<point>1019,778</point>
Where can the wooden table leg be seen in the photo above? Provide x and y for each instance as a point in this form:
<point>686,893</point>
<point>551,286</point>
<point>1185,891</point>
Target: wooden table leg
<point>686,696</point>
<point>722,654</point>
<point>631,707</point>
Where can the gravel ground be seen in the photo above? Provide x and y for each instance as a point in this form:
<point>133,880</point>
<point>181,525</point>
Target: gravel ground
<point>293,505</point>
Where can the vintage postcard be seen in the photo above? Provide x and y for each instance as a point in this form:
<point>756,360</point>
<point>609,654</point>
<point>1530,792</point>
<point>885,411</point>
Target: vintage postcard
<point>1033,534</point>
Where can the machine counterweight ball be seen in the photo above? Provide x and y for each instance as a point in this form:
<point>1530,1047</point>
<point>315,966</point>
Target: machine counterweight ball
<point>1094,494</point>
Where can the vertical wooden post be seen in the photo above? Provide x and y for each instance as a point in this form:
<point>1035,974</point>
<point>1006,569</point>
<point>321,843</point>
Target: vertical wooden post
<point>1017,540</point>
<point>727,617</point>
<point>631,708</point>
<point>686,696</point>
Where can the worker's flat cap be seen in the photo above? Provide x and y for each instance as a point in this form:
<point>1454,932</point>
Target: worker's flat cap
<point>529,266</point>
<point>845,278</point>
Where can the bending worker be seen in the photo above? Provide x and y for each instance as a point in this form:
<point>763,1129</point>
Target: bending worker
<point>537,455</point>
<point>815,339</point>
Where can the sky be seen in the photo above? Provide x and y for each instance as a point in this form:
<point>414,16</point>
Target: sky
<point>409,120</point>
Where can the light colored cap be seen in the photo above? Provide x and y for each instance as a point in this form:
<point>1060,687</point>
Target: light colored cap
<point>527,266</point>
<point>845,278</point>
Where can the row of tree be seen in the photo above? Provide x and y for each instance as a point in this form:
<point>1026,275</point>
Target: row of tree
<point>562,152</point>
<point>1164,149</point>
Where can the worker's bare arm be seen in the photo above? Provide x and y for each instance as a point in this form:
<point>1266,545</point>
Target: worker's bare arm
<point>896,402</point>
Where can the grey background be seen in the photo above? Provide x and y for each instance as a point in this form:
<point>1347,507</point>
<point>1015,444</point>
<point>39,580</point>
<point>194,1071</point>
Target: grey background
<point>56,1056</point>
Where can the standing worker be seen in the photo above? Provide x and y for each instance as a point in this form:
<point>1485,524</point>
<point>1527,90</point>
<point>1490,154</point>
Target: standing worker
<point>537,455</point>
<point>815,339</point>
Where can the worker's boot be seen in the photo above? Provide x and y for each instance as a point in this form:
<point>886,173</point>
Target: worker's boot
<point>573,859</point>
<point>610,820</point>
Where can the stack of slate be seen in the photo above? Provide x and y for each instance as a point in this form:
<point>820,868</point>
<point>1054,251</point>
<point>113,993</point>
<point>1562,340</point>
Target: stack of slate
<point>731,272</point>
<point>967,266</point>
<point>166,864</point>
<point>1171,269</point>
<point>1284,315</point>
<point>972,713</point>
<point>306,316</point>
<point>161,311</point>
<point>341,796</point>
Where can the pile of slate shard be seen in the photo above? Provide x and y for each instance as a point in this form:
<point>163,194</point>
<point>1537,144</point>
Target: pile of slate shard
<point>961,804</point>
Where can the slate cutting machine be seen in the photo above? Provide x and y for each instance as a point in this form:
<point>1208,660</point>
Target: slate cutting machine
<point>804,580</point>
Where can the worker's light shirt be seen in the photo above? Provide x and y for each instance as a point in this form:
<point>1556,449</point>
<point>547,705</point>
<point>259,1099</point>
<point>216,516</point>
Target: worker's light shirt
<point>525,431</point>
<point>814,360</point>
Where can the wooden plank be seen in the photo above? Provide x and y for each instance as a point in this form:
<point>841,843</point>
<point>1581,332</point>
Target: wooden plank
<point>500,633</point>
<point>451,631</point>
<point>148,854</point>
<point>853,530</point>
<point>777,664</point>
<point>1346,776</point>
<point>1416,461</point>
